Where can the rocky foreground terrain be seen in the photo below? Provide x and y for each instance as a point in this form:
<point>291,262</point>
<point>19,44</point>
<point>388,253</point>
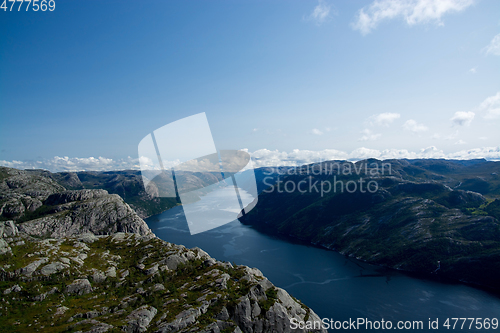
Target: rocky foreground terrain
<point>84,261</point>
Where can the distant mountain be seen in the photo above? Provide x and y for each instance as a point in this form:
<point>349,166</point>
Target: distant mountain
<point>436,217</point>
<point>430,216</point>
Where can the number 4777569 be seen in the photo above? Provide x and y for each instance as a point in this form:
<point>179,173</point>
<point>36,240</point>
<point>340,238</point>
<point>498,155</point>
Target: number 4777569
<point>477,323</point>
<point>36,5</point>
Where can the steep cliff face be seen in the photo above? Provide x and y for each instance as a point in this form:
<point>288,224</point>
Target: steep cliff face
<point>127,184</point>
<point>43,208</point>
<point>22,192</point>
<point>76,212</point>
<point>27,189</point>
<point>133,283</point>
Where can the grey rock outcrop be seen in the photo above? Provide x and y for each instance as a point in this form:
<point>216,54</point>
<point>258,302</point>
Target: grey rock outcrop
<point>13,208</point>
<point>8,234</point>
<point>190,297</point>
<point>4,247</point>
<point>111,272</point>
<point>79,287</point>
<point>31,204</point>
<point>250,317</point>
<point>61,310</point>
<point>100,214</point>
<point>47,209</point>
<point>70,196</point>
<point>30,268</point>
<point>182,320</point>
<point>98,276</point>
<point>174,260</point>
<point>18,183</point>
<point>53,268</point>
<point>139,319</point>
<point>14,289</point>
<point>8,229</point>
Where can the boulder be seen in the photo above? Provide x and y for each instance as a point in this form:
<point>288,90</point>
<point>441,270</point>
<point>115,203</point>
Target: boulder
<point>61,310</point>
<point>98,276</point>
<point>79,287</point>
<point>4,247</point>
<point>111,272</point>
<point>174,260</point>
<point>13,208</point>
<point>14,288</point>
<point>8,229</point>
<point>139,319</point>
<point>53,268</point>
<point>30,268</point>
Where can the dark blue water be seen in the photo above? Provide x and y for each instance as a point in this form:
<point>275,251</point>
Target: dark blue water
<point>332,285</point>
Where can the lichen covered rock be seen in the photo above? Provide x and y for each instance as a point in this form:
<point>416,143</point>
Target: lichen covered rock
<point>103,288</point>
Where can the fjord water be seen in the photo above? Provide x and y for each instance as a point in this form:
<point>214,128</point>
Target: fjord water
<point>332,285</point>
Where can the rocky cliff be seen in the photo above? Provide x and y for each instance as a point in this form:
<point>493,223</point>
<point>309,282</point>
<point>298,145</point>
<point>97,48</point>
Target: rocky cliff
<point>43,208</point>
<point>76,212</point>
<point>127,184</point>
<point>132,283</point>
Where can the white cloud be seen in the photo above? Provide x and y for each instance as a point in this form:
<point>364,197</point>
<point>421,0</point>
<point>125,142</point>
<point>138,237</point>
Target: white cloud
<point>57,164</point>
<point>490,107</point>
<point>316,131</point>
<point>494,46</point>
<point>460,142</point>
<point>412,11</point>
<point>368,135</point>
<point>384,119</point>
<point>489,153</point>
<point>265,157</point>
<point>413,126</point>
<point>473,70</point>
<point>364,153</point>
<point>462,118</point>
<point>320,13</point>
<point>430,152</point>
<point>261,158</point>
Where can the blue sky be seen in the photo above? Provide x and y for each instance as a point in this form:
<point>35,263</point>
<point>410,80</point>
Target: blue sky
<point>286,79</point>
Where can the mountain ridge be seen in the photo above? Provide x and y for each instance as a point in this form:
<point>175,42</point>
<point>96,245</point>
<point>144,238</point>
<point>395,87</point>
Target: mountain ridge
<point>421,219</point>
